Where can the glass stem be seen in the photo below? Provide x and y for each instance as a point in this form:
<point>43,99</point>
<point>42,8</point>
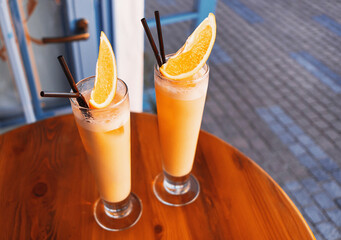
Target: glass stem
<point>118,209</point>
<point>176,185</point>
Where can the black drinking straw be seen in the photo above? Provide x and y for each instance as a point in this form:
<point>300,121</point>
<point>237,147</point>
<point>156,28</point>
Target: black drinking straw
<point>81,100</point>
<point>159,34</point>
<point>151,41</point>
<point>57,94</point>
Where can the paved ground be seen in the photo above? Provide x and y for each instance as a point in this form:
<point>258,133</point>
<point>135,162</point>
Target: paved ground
<point>274,93</point>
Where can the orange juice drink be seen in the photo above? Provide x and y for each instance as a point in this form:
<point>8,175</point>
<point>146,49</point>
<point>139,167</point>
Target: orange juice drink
<point>105,134</point>
<point>103,121</point>
<point>181,84</point>
<point>180,106</point>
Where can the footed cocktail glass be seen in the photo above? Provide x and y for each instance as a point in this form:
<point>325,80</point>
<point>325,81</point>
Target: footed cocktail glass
<point>105,134</point>
<point>180,106</point>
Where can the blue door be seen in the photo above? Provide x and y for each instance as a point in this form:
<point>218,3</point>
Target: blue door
<point>34,33</point>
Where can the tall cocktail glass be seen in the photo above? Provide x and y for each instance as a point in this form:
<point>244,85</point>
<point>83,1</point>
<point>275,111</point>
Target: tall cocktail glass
<point>180,105</point>
<point>105,134</point>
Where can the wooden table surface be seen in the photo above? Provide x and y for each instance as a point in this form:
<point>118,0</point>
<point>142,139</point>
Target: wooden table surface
<point>47,190</point>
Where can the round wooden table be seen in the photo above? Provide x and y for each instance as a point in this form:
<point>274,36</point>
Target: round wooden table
<point>47,190</point>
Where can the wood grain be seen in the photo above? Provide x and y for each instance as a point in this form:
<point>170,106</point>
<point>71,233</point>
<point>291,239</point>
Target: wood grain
<point>47,190</point>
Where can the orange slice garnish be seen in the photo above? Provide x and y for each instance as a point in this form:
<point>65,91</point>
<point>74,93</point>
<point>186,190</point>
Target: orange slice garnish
<point>106,75</point>
<point>192,56</point>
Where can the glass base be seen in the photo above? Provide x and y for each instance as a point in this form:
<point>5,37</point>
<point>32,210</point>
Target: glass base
<point>176,193</point>
<point>120,220</point>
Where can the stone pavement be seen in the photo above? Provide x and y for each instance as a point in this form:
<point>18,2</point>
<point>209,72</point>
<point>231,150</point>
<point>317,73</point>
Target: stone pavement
<point>274,93</point>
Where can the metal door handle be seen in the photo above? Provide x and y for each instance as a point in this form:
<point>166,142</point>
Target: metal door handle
<point>82,34</point>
